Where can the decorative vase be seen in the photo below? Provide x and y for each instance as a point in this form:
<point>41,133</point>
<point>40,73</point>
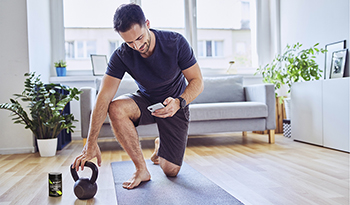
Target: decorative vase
<point>47,147</point>
<point>61,71</point>
<point>287,105</point>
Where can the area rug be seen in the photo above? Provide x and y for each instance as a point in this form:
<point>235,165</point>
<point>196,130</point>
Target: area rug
<point>189,187</point>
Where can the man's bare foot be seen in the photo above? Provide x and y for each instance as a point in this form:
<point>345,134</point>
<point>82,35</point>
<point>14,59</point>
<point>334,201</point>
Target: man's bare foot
<point>138,177</point>
<point>154,157</point>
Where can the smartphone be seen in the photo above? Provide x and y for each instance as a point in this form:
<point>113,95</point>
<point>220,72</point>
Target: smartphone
<point>155,107</point>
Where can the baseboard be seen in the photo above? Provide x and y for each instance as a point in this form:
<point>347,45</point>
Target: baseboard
<point>22,150</point>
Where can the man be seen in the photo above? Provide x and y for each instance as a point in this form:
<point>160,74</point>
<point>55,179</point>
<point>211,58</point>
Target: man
<point>159,61</point>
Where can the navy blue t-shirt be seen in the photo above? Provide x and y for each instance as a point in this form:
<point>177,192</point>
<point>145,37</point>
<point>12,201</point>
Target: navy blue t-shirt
<point>158,76</point>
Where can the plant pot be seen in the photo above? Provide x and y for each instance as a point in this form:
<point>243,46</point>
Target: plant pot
<point>61,71</point>
<point>47,147</point>
<point>287,107</point>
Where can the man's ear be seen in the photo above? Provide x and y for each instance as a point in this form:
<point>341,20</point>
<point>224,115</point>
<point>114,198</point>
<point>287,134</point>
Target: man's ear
<point>148,24</point>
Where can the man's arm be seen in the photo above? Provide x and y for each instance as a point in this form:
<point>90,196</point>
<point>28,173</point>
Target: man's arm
<point>194,88</point>
<point>195,83</point>
<point>109,87</point>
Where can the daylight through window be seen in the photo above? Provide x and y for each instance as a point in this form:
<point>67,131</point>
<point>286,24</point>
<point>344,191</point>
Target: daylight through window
<point>223,34</point>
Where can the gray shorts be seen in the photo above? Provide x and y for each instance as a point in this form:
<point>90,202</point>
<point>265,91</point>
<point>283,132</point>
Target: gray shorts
<point>173,131</point>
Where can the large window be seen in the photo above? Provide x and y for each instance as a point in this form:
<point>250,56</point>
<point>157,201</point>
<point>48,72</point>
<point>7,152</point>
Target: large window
<point>223,31</point>
<point>165,14</point>
<point>89,30</point>
<point>224,35</point>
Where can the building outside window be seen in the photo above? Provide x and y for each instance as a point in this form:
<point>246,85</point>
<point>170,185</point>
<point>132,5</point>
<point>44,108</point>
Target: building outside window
<point>209,49</point>
<point>223,34</point>
<point>114,45</point>
<point>70,52</point>
<point>80,49</point>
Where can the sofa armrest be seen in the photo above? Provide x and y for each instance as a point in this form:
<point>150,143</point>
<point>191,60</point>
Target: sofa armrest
<point>264,93</point>
<point>87,102</point>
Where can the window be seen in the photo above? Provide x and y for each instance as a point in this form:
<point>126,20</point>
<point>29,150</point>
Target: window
<point>89,30</point>
<point>224,36</point>
<point>208,49</point>
<point>114,45</point>
<point>69,46</point>
<point>165,14</point>
<point>80,49</point>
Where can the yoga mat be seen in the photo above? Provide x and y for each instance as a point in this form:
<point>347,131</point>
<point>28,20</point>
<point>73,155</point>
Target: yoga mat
<point>188,187</point>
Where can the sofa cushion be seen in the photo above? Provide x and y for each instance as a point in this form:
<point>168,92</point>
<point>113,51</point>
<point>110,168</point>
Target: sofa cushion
<point>221,89</point>
<point>221,111</point>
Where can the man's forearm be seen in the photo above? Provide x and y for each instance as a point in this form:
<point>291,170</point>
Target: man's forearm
<point>98,116</point>
<point>193,89</point>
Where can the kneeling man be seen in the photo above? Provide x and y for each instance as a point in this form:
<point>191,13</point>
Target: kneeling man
<point>160,63</point>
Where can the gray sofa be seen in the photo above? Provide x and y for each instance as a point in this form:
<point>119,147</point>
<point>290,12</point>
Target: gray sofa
<point>225,105</point>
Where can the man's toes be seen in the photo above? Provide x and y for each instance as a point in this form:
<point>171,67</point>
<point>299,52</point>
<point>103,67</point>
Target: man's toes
<point>126,184</point>
<point>130,185</point>
<point>155,160</point>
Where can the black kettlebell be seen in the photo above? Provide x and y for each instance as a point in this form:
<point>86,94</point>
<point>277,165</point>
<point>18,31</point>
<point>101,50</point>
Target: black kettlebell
<point>85,188</point>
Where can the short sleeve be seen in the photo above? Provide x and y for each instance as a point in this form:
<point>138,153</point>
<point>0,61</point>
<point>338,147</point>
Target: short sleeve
<point>186,56</point>
<point>116,67</point>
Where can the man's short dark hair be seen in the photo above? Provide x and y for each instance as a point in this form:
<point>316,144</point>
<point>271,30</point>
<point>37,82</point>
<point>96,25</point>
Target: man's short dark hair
<point>126,16</point>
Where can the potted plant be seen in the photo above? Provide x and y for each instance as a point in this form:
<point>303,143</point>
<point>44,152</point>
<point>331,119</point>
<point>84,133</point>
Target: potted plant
<point>293,65</point>
<point>61,68</point>
<point>46,118</point>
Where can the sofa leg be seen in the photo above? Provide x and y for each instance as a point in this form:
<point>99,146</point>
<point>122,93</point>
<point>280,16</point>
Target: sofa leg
<point>244,133</point>
<point>271,136</point>
<point>84,140</point>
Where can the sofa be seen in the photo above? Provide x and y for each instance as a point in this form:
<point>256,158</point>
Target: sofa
<point>225,105</point>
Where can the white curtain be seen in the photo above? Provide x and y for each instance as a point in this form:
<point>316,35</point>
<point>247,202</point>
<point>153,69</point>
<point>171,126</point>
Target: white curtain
<point>267,32</point>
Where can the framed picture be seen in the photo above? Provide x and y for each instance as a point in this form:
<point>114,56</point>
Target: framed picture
<point>338,63</point>
<point>336,46</point>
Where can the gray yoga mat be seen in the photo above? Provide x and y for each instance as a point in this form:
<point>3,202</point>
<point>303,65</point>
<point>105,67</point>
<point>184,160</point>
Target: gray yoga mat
<point>189,187</point>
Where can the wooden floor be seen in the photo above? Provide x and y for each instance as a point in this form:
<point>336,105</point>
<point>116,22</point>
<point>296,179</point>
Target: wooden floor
<point>249,168</point>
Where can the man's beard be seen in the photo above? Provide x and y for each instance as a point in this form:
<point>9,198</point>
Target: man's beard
<point>147,44</point>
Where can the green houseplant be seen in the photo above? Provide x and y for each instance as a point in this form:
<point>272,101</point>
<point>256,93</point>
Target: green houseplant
<point>61,68</point>
<point>293,65</point>
<point>46,118</point>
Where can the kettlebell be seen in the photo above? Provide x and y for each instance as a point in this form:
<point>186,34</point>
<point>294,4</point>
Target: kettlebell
<point>85,188</point>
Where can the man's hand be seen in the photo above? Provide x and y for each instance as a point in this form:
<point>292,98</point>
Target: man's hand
<point>171,107</point>
<point>89,152</point>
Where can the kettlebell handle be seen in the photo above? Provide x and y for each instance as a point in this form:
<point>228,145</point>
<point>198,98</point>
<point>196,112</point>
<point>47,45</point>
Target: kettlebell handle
<point>92,166</point>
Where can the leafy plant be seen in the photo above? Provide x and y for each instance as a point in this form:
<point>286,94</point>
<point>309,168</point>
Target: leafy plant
<point>294,65</point>
<point>46,106</point>
<point>61,64</point>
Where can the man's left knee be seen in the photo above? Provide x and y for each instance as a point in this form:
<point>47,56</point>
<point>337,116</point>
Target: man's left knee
<point>169,169</point>
<point>171,172</point>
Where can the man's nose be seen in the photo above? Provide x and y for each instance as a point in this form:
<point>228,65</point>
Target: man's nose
<point>137,45</point>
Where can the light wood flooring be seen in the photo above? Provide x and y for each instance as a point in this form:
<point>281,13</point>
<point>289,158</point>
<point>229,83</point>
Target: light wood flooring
<point>249,168</point>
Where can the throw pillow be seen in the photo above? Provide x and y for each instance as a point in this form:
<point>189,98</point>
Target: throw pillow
<point>221,89</point>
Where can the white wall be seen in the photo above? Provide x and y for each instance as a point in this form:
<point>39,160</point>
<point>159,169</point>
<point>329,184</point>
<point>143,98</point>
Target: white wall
<point>39,39</point>
<point>25,40</point>
<point>14,60</point>
<point>314,21</point>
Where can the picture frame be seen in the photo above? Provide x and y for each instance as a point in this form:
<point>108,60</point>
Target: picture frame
<point>338,63</point>
<point>336,46</point>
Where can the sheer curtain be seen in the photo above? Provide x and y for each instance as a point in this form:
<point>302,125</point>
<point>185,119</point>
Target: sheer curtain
<point>267,33</point>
